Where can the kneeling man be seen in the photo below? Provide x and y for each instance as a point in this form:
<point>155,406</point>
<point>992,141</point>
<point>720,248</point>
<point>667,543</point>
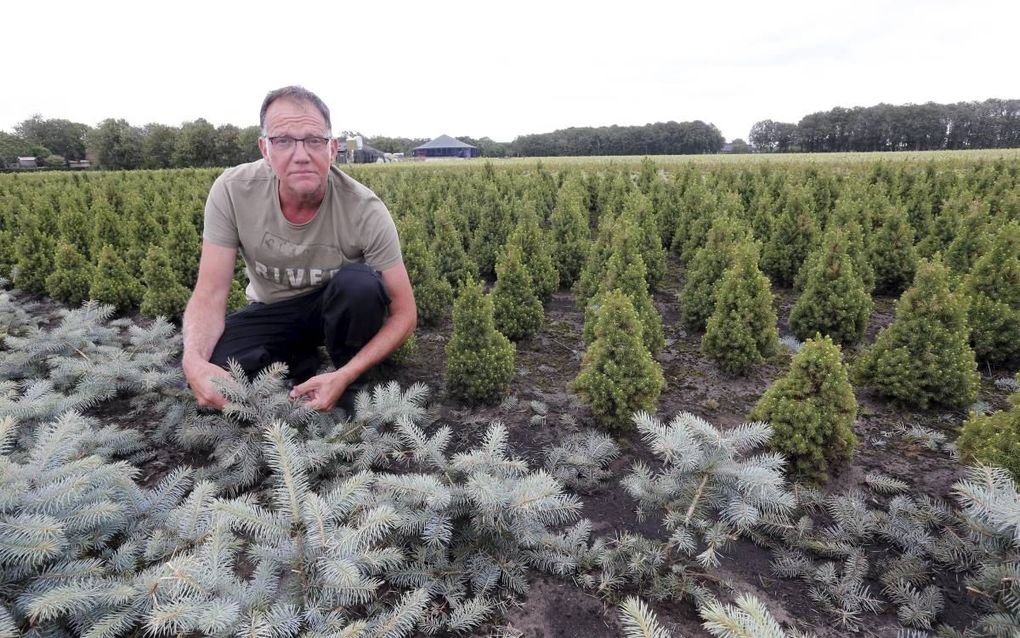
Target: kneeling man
<point>322,257</point>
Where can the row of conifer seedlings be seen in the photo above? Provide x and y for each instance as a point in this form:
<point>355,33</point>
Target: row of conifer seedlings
<point>87,550</point>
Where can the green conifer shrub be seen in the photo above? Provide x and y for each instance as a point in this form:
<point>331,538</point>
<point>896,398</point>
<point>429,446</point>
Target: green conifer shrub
<point>569,228</point>
<point>834,301</point>
<point>994,439</point>
<point>113,283</point>
<point>625,271</point>
<point>71,277</point>
<point>742,330</point>
<point>184,245</point>
<point>494,226</point>
<point>593,271</point>
<point>618,375</point>
<point>697,299</point>
<point>693,206</point>
<point>923,357</point>
<point>452,258</point>
<point>432,292</point>
<point>108,228</point>
<point>479,359</point>
<point>517,310</point>
<point>993,288</point>
<point>639,209</point>
<point>892,253</point>
<point>75,229</point>
<point>850,217</point>
<point>971,240</point>
<point>794,233</point>
<point>535,243</point>
<point>164,295</point>
<point>812,410</point>
<point>33,255</point>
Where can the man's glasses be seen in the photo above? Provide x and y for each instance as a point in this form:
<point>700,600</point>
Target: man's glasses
<point>286,143</point>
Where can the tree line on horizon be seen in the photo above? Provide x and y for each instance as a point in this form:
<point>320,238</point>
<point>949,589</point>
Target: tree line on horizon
<point>116,144</point>
<point>994,123</point>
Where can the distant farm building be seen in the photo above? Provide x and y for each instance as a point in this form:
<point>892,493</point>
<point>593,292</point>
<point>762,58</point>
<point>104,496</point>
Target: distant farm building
<point>27,162</point>
<point>446,147</point>
<point>353,150</point>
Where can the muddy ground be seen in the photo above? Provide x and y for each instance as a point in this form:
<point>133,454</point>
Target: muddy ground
<point>548,361</point>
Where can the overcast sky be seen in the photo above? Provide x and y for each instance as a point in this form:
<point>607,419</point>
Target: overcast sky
<point>501,69</point>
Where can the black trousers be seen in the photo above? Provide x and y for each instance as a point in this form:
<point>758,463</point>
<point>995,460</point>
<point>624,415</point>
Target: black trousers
<point>343,315</point>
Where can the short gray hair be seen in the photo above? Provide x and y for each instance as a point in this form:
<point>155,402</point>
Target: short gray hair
<point>297,93</point>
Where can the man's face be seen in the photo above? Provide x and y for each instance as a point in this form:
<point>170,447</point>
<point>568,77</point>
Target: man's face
<point>302,170</point>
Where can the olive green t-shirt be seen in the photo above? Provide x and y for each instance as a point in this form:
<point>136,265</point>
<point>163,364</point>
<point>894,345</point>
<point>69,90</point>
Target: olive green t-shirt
<point>283,259</point>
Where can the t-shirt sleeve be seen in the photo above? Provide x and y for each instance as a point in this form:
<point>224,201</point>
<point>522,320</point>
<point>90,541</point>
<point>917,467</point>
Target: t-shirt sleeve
<point>220,226</point>
<point>382,245</point>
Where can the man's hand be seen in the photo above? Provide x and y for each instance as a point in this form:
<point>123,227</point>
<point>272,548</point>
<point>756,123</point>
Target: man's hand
<point>322,391</point>
<point>200,375</point>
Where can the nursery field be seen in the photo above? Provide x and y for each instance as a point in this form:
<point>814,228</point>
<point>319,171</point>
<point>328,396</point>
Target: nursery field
<point>677,398</point>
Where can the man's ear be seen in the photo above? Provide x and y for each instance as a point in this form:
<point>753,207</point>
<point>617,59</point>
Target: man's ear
<point>264,148</point>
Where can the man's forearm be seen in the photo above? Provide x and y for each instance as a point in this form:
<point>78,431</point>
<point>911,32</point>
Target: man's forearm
<point>395,329</point>
<point>202,327</point>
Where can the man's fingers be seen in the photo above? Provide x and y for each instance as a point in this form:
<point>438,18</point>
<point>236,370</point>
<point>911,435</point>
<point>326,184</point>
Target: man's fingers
<point>301,389</point>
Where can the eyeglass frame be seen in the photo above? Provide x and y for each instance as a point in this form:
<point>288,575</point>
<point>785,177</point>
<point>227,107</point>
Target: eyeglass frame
<point>274,140</point>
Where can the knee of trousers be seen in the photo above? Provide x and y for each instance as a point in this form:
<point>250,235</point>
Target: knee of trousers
<point>358,285</point>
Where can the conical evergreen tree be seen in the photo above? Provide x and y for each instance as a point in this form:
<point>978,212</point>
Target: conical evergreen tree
<point>835,301</point>
<point>108,229</point>
<point>145,232</point>
<point>432,293</point>
<point>692,206</point>
<point>112,282</point>
<point>71,277</point>
<point>533,241</point>
<point>923,357</point>
<point>75,229</point>
<point>994,439</point>
<point>570,232</point>
<point>850,217</point>
<point>615,187</point>
<point>944,225</point>
<point>638,208</point>
<point>812,411</point>
<point>590,279</point>
<point>452,258</point>
<point>493,228</point>
<point>697,300</point>
<point>626,272</point>
<point>742,329</point>
<point>794,234</point>
<point>971,240</point>
<point>164,295</point>
<point>184,247</point>
<point>33,255</point>
<point>664,202</point>
<point>517,310</point>
<point>479,359</point>
<point>892,252</point>
<point>618,375</point>
<point>993,288</point>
